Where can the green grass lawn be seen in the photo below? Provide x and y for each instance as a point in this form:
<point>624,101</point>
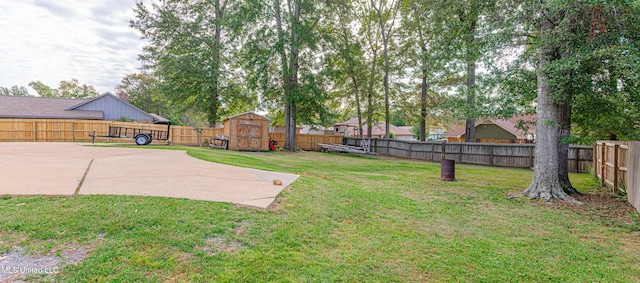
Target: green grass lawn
<point>347,218</point>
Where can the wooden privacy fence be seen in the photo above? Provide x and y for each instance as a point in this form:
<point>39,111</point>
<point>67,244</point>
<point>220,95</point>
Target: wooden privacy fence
<point>307,142</point>
<point>493,154</point>
<point>617,165</point>
<point>55,130</point>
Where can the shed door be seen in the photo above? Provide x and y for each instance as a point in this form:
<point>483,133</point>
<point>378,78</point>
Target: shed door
<point>249,136</point>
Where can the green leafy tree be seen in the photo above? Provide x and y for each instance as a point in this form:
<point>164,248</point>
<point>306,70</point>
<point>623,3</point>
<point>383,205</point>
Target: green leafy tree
<point>472,33</point>
<point>73,89</point>
<point>189,51</point>
<point>373,59</point>
<point>14,91</point>
<point>346,60</point>
<point>43,90</point>
<point>425,53</point>
<point>280,52</point>
<point>143,92</point>
<point>387,14</point>
<point>66,89</point>
<point>579,48</point>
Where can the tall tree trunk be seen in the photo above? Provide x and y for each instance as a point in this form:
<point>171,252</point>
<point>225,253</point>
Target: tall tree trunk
<point>565,123</point>
<point>289,72</point>
<point>546,184</point>
<point>357,96</point>
<point>423,88</point>
<point>470,127</point>
<point>290,114</point>
<point>370,95</point>
<point>215,98</point>
<point>423,106</point>
<point>387,129</point>
<point>563,146</point>
<point>352,73</point>
<point>370,114</point>
<point>385,45</point>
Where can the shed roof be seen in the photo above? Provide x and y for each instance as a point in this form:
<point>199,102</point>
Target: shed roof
<point>245,113</point>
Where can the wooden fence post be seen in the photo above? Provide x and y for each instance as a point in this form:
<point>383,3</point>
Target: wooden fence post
<point>491,147</point>
<point>594,160</point>
<point>443,151</point>
<point>602,163</point>
<point>531,154</point>
<point>577,159</point>
<point>616,147</point>
<point>433,150</point>
<point>35,131</point>
<point>460,154</point>
<point>388,146</point>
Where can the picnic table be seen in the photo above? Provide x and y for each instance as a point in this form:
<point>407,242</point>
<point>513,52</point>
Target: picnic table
<point>219,142</point>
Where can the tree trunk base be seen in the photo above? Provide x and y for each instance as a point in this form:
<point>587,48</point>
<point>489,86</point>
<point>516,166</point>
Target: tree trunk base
<point>549,194</point>
<point>570,190</point>
<point>567,187</point>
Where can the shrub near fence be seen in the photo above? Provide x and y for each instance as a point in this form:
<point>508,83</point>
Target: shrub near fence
<point>505,155</point>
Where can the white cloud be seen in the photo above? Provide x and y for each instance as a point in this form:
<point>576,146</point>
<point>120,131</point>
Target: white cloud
<point>54,40</point>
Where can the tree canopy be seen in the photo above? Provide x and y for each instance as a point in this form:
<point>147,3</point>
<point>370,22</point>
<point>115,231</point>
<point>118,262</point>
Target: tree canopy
<point>312,62</point>
<point>66,89</point>
<point>14,91</point>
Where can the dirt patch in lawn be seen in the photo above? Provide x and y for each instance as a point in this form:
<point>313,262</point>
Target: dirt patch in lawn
<point>220,244</point>
<point>241,228</point>
<point>17,266</point>
<point>606,206</point>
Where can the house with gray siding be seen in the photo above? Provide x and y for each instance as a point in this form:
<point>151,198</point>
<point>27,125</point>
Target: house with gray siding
<point>104,107</point>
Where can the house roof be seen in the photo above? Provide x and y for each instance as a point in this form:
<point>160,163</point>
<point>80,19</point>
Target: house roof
<point>105,106</point>
<point>91,103</point>
<point>378,129</point>
<point>43,108</point>
<point>509,125</point>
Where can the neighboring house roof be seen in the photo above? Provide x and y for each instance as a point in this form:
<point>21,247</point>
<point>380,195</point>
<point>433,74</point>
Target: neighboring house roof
<point>44,108</point>
<point>104,107</point>
<point>510,125</point>
<point>378,129</point>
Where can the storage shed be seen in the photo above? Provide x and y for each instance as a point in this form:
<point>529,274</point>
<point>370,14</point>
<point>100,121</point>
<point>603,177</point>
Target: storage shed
<point>247,131</point>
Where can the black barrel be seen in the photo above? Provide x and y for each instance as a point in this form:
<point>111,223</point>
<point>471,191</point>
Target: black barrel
<point>448,169</point>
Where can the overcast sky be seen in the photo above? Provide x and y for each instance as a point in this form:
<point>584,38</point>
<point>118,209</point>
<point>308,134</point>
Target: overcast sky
<point>54,40</point>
